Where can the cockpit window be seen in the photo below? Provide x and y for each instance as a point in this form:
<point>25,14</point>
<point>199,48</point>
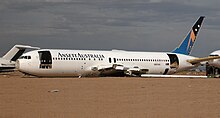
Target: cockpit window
<point>25,57</point>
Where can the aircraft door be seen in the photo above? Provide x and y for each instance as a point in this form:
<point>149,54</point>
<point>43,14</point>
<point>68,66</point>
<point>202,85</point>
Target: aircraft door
<point>45,59</point>
<point>174,61</point>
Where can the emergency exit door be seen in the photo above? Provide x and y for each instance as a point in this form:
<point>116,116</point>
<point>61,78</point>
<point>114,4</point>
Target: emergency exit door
<point>45,59</point>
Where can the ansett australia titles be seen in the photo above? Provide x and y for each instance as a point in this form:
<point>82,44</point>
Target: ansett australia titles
<point>78,55</point>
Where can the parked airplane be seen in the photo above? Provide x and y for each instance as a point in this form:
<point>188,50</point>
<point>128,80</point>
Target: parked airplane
<point>215,62</point>
<point>7,62</point>
<point>55,62</point>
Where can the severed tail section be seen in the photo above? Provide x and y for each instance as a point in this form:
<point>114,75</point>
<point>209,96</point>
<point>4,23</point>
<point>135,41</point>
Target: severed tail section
<point>186,45</point>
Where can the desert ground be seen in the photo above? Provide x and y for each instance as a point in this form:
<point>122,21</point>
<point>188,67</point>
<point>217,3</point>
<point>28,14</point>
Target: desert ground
<point>108,97</point>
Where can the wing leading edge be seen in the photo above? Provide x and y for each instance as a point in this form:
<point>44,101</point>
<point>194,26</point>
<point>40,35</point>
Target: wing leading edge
<point>198,60</point>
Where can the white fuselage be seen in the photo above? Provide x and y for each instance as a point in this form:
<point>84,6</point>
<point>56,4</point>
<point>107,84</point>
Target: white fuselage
<point>52,62</point>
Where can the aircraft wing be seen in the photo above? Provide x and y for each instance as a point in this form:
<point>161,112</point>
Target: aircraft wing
<point>110,66</point>
<point>198,60</point>
<point>17,51</point>
<point>136,71</point>
<point>131,71</point>
<point>26,47</point>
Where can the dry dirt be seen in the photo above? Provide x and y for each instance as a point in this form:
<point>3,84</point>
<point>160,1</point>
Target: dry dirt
<point>28,97</point>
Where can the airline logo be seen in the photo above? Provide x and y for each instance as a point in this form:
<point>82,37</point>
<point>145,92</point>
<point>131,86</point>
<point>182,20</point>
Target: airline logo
<point>186,46</point>
<point>191,41</point>
<point>79,55</point>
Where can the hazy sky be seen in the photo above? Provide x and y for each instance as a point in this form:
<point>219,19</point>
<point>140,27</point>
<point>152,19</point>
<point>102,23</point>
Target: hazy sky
<point>145,25</point>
